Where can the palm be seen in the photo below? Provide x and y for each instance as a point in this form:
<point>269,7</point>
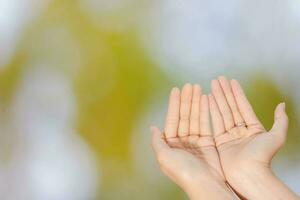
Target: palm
<point>188,148</point>
<point>198,150</point>
<point>180,164</point>
<point>241,139</point>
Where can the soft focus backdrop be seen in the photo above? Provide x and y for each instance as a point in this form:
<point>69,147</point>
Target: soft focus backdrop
<point>81,82</point>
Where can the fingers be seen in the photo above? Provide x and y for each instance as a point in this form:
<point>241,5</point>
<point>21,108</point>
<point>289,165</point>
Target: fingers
<point>158,143</point>
<point>244,106</point>
<point>222,104</point>
<point>172,119</point>
<point>185,110</point>
<point>205,129</point>
<point>226,87</point>
<point>216,117</point>
<point>281,122</point>
<point>195,111</point>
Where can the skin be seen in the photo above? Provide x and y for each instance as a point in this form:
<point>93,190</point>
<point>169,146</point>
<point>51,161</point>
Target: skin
<point>242,151</point>
<point>186,152</point>
<point>245,147</point>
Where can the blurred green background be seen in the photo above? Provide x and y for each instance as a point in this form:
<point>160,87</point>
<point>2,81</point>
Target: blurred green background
<point>82,81</point>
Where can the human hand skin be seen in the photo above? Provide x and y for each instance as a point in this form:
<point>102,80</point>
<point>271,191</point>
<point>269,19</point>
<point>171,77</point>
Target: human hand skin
<point>186,153</point>
<point>245,147</point>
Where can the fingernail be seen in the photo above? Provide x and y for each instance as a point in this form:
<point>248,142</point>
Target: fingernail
<point>175,89</point>
<point>197,86</point>
<point>283,105</point>
<point>188,85</point>
<point>234,81</point>
<point>222,77</point>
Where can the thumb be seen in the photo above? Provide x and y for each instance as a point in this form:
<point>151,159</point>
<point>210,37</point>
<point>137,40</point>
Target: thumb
<point>281,122</point>
<point>158,143</point>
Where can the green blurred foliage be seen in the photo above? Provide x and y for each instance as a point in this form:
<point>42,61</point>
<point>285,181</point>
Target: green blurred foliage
<point>8,81</point>
<point>115,82</point>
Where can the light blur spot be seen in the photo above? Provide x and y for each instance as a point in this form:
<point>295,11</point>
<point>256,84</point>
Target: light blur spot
<point>54,45</point>
<point>295,9</point>
<point>113,15</point>
<point>144,159</point>
<point>15,15</point>
<point>51,162</point>
<point>198,39</point>
<point>103,7</point>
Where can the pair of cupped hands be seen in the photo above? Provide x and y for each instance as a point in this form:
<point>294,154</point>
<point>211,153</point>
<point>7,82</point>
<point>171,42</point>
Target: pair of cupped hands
<point>214,147</point>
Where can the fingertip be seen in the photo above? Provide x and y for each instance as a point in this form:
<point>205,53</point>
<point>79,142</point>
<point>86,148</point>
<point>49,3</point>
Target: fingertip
<point>216,86</point>
<point>280,109</point>
<point>234,82</point>
<point>197,87</point>
<point>158,141</point>
<point>213,82</point>
<point>236,86</point>
<point>222,78</point>
<point>156,134</point>
<point>225,85</point>
<point>187,90</point>
<point>153,129</point>
<point>175,90</point>
<point>174,94</point>
<point>283,105</point>
<point>187,85</point>
<point>281,122</point>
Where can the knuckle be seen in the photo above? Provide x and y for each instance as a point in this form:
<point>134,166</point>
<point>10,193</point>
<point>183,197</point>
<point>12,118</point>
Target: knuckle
<point>183,133</point>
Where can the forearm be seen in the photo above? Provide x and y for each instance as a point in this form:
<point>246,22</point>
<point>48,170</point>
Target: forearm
<point>262,184</point>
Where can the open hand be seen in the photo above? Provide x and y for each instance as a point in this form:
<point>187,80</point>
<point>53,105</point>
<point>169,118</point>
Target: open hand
<point>244,146</point>
<point>186,152</point>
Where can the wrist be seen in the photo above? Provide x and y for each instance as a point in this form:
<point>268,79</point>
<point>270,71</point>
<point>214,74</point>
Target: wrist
<point>209,189</point>
<point>259,182</point>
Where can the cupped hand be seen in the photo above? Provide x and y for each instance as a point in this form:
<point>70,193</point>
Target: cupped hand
<point>186,151</point>
<point>244,146</point>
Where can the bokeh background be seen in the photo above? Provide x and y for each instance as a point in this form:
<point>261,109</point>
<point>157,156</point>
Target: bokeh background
<point>81,82</point>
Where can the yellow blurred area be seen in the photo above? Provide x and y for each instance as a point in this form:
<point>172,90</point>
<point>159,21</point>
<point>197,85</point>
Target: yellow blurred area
<point>115,82</point>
